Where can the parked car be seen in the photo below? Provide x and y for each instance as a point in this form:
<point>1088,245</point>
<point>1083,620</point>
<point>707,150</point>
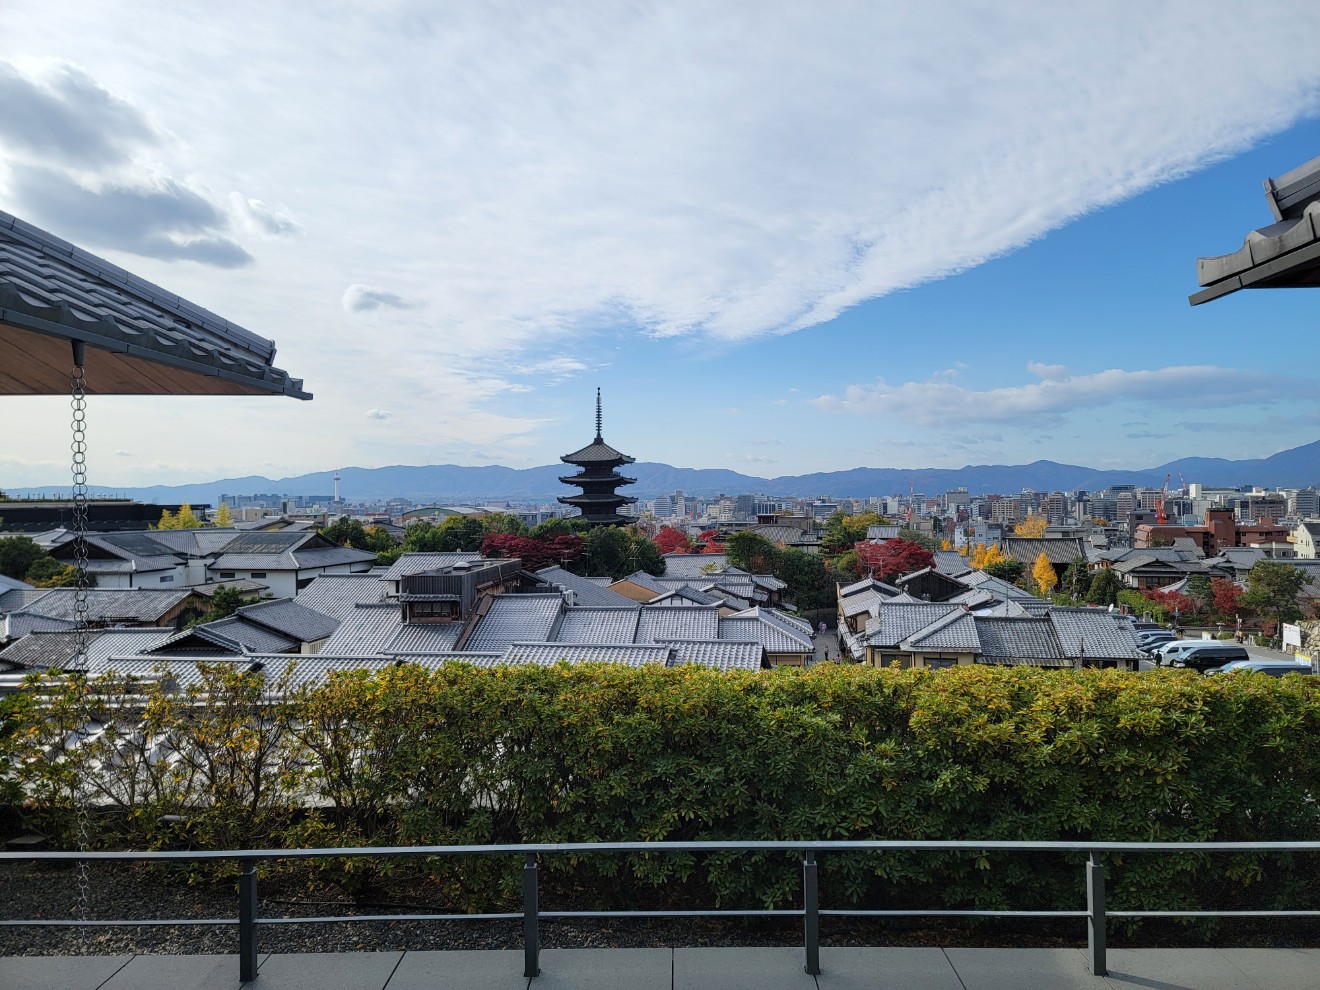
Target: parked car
<point>1210,656</point>
<point>1271,668</point>
<point>1167,651</point>
<point>1152,639</point>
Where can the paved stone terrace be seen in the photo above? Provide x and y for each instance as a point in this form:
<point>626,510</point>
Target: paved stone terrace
<point>685,969</point>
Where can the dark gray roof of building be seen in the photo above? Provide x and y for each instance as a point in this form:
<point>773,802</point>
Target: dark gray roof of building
<point>425,637</point>
<point>338,595</point>
<point>290,618</point>
<point>693,564</point>
<point>1021,638</point>
<point>51,289</point>
<point>721,655</point>
<point>585,591</point>
<point>771,629</point>
<point>664,622</point>
<point>365,631</point>
<point>109,604</point>
<point>20,598</point>
<point>596,452</point>
<point>18,624</point>
<point>897,620</point>
<point>953,633</point>
<point>1057,551</point>
<point>416,563</point>
<point>516,619</point>
<point>599,625</point>
<point>546,654</point>
<point>1094,633</point>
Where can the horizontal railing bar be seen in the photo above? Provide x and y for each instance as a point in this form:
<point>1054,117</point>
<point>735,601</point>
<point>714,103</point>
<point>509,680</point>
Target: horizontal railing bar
<point>860,845</point>
<point>785,913</point>
<point>1212,914</point>
<point>328,919</point>
<point>839,913</point>
<point>97,923</point>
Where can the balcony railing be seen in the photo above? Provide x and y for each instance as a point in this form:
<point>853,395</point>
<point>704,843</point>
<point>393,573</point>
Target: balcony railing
<point>1094,909</point>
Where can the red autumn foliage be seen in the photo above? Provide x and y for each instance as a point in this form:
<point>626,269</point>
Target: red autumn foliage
<point>893,558</point>
<point>1227,595</point>
<point>708,543</point>
<point>671,540</point>
<point>1172,601</point>
<point>534,554</point>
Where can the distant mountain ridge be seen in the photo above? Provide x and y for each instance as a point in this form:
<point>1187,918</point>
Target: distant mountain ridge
<point>1297,467</point>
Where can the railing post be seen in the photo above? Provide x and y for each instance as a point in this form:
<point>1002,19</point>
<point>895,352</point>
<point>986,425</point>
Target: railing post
<point>1095,921</point>
<point>531,939</point>
<point>811,912</point>
<point>247,920</point>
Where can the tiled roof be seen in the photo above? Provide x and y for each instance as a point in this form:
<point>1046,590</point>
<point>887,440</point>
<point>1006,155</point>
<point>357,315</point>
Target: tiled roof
<point>649,582</point>
<point>599,625</point>
<point>516,619</point>
<point>249,589</point>
<point>205,639</point>
<point>110,605</point>
<point>596,452</point>
<point>12,584</point>
<point>722,654</point>
<point>995,586</point>
<point>768,628</point>
<point>884,532</point>
<point>786,535</point>
<point>678,622</point>
<point>18,624</point>
<point>416,563</point>
<point>972,598</point>
<point>19,598</point>
<point>365,631</point>
<point>134,565</point>
<point>252,637</point>
<point>1095,632</point>
<point>585,591</point>
<point>425,637</point>
<point>897,620</point>
<point>955,632</point>
<point>1024,638</point>
<point>338,595</point>
<point>56,649</point>
<point>1056,551</point>
<point>693,564</point>
<point>688,594</point>
<point>195,542</point>
<point>546,654</point>
<point>51,288</point>
<point>951,562</point>
<point>290,618</point>
<point>330,556</point>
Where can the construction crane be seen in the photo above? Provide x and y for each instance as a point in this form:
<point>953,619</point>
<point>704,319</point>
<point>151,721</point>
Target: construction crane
<point>1159,506</point>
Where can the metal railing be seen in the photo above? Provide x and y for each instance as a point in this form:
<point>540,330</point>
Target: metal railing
<point>248,919</point>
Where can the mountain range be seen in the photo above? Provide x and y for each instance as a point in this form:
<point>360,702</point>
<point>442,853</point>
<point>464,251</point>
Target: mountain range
<point>1297,467</point>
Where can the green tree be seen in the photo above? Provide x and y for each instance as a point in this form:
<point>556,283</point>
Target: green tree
<point>931,543</point>
<point>809,583</point>
<point>224,603</point>
<point>1076,579</point>
<point>498,522</point>
<point>346,532</point>
<point>615,551</point>
<point>558,526</point>
<point>1198,589</point>
<point>1104,589</point>
<point>1006,570</point>
<point>751,552</point>
<point>843,532</point>
<point>47,572</point>
<point>17,555</point>
<point>1272,590</point>
<point>456,534</point>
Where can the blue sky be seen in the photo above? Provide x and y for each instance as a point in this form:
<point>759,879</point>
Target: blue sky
<point>808,241</point>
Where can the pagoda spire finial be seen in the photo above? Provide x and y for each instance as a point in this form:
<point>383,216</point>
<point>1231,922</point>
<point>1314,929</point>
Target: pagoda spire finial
<point>598,415</point>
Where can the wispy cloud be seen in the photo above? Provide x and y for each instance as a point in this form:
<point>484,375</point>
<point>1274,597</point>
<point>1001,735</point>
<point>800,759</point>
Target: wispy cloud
<point>941,403</point>
<point>379,414</point>
<point>263,218</point>
<point>359,298</point>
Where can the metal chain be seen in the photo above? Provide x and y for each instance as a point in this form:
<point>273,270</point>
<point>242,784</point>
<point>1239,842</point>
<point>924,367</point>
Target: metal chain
<point>78,448</point>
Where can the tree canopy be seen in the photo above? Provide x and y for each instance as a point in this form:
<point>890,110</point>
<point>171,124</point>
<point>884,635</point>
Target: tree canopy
<point>17,555</point>
<point>1044,575</point>
<point>186,519</point>
<point>1272,590</point>
<point>892,558</point>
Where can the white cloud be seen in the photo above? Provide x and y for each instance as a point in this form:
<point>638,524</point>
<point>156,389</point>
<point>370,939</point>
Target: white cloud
<point>379,414</point>
<point>359,298</point>
<point>941,403</point>
<point>261,218</point>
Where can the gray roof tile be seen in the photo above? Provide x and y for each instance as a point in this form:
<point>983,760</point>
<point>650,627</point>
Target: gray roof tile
<point>678,622</point>
<point>599,625</point>
<point>290,618</point>
<point>415,563</point>
<point>585,591</point>
<point>547,654</point>
<point>110,605</point>
<point>365,631</point>
<point>425,637</point>
<point>721,655</point>
<point>338,595</point>
<point>516,619</point>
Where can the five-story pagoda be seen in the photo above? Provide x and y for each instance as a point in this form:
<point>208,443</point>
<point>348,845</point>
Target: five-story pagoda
<point>599,503</point>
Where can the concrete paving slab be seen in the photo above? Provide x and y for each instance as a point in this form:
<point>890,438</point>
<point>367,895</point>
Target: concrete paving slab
<point>59,972</point>
<point>470,969</point>
<point>327,970</point>
<point>1177,969</point>
<point>895,968</point>
<point>178,973</point>
<point>1024,969</point>
<point>1278,969</point>
<point>605,969</point>
<point>741,969</point>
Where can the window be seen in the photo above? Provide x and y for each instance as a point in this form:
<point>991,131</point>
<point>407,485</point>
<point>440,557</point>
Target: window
<point>226,574</point>
<point>258,574</point>
<point>167,579</point>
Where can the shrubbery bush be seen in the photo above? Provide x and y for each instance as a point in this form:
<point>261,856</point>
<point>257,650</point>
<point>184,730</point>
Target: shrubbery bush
<point>599,753</point>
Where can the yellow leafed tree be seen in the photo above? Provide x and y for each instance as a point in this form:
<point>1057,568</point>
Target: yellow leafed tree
<point>1043,572</point>
<point>1032,528</point>
<point>186,519</point>
<point>223,517</point>
<point>983,556</point>
<point>945,545</point>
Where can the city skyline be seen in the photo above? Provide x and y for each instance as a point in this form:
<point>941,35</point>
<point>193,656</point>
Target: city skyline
<point>779,245</point>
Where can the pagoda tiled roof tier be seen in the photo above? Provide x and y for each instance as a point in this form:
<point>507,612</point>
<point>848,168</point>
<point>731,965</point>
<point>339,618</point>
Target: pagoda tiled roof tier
<point>597,452</point>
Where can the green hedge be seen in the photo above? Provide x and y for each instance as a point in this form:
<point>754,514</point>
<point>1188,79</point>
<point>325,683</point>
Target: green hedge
<point>599,753</point>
